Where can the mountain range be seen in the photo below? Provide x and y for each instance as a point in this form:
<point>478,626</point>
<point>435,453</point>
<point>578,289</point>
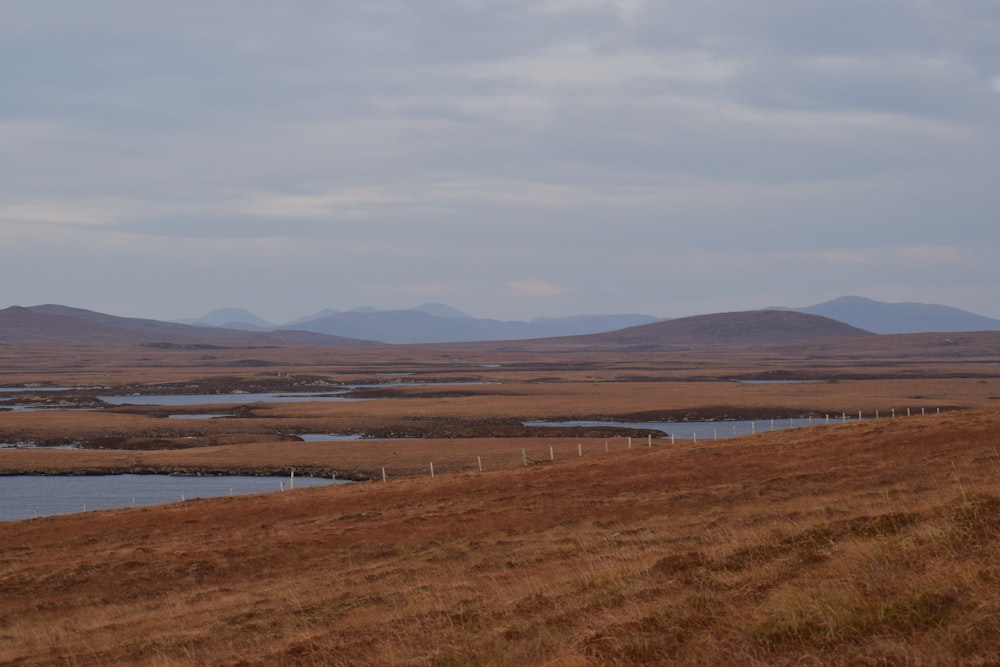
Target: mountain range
<point>438,323</point>
<point>429,323</point>
<point>900,318</point>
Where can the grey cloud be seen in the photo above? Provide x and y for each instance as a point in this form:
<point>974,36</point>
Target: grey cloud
<point>488,144</point>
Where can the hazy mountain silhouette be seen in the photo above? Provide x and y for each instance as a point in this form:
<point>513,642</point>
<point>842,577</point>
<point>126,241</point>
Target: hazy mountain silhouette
<point>232,318</point>
<point>908,317</point>
<point>437,323</point>
<point>62,324</point>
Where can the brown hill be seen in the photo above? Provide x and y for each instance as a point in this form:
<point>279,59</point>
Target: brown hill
<point>752,327</point>
<point>64,325</point>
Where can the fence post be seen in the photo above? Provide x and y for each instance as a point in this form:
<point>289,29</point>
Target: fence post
<point>384,478</point>
<point>552,454</point>
<point>579,449</point>
<point>480,460</point>
<point>432,468</point>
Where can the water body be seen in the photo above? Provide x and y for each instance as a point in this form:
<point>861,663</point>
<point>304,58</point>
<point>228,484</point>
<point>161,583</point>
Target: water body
<point>339,394</point>
<point>208,399</point>
<point>325,437</point>
<point>706,430</point>
<point>31,389</point>
<point>206,416</point>
<point>27,496</point>
<point>779,381</point>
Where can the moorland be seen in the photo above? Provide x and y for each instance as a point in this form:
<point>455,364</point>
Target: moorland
<point>870,542</point>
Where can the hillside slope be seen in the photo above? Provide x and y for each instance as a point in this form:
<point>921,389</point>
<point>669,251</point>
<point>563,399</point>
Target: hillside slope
<point>870,543</point>
<point>64,325</point>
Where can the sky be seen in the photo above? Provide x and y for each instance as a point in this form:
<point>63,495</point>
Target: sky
<point>511,158</point>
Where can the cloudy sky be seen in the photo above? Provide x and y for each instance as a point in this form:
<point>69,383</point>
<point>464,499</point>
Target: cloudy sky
<point>512,158</point>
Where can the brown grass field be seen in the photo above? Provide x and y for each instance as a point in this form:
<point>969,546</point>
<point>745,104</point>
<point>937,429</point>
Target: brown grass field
<point>871,543</point>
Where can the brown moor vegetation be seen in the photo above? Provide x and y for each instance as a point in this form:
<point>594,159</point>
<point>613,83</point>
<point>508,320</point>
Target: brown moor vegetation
<point>860,543</point>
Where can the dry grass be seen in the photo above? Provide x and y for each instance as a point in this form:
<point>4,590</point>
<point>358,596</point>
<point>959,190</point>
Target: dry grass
<point>858,544</point>
<point>869,544</point>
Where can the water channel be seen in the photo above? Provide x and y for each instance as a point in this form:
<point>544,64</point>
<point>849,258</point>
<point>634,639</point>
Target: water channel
<point>706,430</point>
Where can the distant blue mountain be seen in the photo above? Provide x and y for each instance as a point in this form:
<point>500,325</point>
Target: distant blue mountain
<point>439,323</point>
<point>442,310</point>
<point>894,318</point>
<point>232,318</point>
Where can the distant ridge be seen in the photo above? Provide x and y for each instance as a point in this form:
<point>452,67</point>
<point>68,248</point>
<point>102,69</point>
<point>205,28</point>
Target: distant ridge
<point>752,327</point>
<point>438,323</point>
<point>231,318</point>
<point>426,323</point>
<point>896,318</point>
<point>65,325</point>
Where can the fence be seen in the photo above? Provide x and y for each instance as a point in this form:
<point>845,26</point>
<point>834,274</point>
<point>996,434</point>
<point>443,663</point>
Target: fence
<point>683,433</point>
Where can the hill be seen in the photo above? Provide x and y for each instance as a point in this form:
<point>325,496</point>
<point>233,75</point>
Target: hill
<point>753,327</point>
<point>898,318</point>
<point>64,325</point>
<point>869,543</point>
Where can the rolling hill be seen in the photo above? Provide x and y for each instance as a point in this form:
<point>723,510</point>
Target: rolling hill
<point>64,325</point>
<point>753,327</point>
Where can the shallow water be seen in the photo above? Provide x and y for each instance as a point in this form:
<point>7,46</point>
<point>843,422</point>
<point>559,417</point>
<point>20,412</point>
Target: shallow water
<point>705,430</point>
<point>27,496</point>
